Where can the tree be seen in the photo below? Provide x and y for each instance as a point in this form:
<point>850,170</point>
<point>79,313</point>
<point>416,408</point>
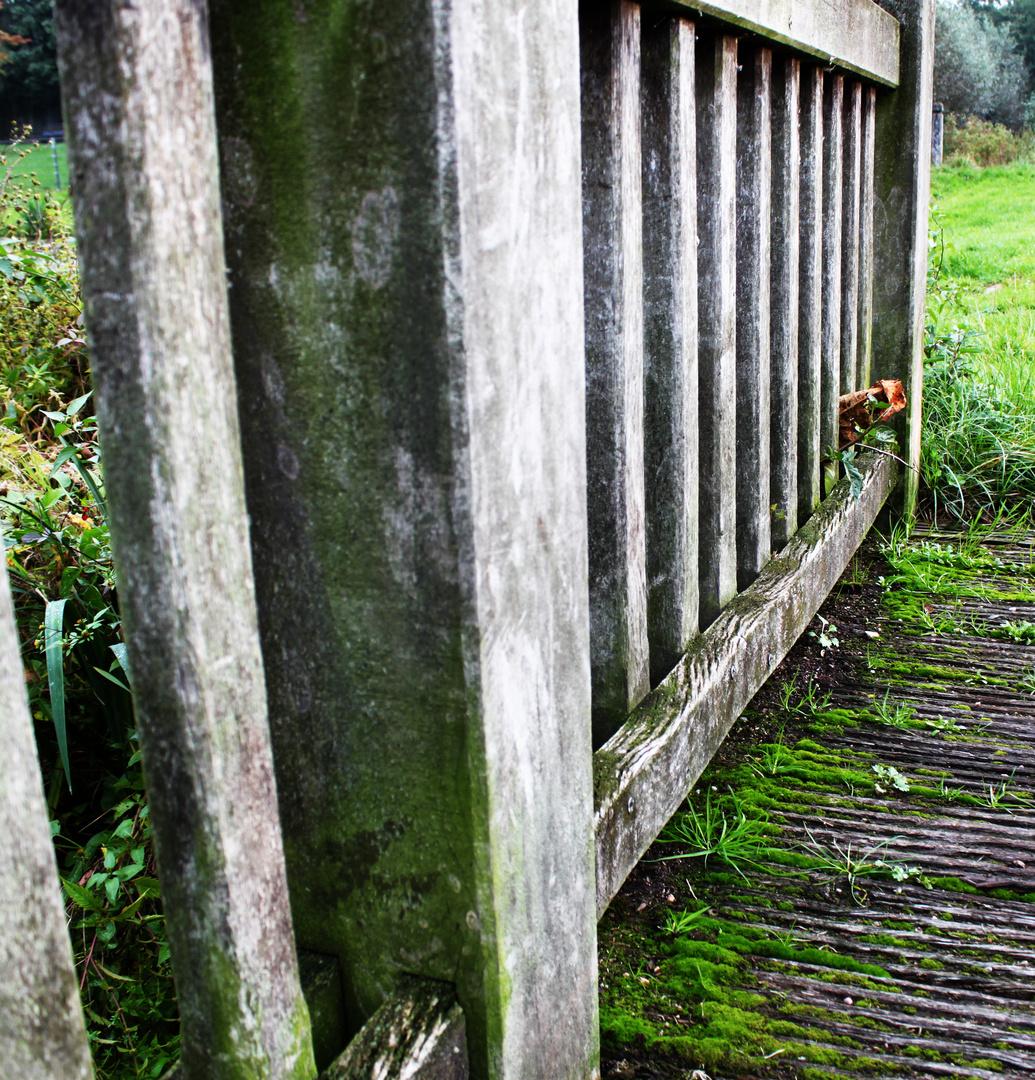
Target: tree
<point>29,78</point>
<point>7,39</point>
<point>978,70</point>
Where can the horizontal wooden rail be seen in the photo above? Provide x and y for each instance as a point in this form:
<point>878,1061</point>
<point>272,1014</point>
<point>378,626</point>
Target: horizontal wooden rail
<point>645,770</point>
<point>855,35</point>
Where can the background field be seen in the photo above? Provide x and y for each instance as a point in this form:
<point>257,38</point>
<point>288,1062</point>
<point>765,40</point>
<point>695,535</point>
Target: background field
<point>40,160</point>
<point>979,397</point>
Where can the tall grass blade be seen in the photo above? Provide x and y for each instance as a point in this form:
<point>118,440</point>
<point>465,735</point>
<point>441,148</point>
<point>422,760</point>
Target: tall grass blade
<point>53,627</point>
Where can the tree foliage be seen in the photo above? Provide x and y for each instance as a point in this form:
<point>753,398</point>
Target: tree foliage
<point>29,74</point>
<point>978,68</point>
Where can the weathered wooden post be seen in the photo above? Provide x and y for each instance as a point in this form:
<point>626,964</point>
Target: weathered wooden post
<point>403,230</point>
<point>137,92</point>
<point>902,180</point>
<point>937,134</point>
<point>41,1023</point>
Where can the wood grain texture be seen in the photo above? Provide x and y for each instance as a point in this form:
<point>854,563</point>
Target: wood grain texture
<point>409,336</point>
<point>753,230</point>
<point>137,91</point>
<point>864,374</point>
<point>612,231</point>
<point>810,293</point>
<point>670,338</point>
<point>419,1033</point>
<point>716,79</point>
<point>856,35</point>
<point>42,1036</point>
<point>833,229</point>
<point>902,185</point>
<point>851,236</point>
<point>643,773</point>
<point>784,298</point>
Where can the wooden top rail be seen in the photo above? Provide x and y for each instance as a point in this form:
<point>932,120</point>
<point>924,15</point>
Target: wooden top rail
<point>853,34</point>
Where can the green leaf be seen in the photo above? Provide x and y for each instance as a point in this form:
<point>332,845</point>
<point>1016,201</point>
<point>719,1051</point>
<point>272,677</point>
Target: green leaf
<point>111,678</point>
<point>68,579</point>
<point>53,624</point>
<point>125,828</point>
<point>74,406</point>
<point>148,886</point>
<point>120,655</point>
<point>65,455</point>
<point>83,897</point>
<point>111,887</point>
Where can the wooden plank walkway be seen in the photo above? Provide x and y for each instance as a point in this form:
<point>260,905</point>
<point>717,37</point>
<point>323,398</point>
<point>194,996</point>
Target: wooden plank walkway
<point>947,694</point>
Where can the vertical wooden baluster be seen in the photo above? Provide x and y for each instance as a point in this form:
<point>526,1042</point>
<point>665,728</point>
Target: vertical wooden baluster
<point>863,378</point>
<point>850,237</point>
<point>833,159</point>
<point>717,308</point>
<point>783,328</point>
<point>810,296</point>
<point>613,225</point>
<point>670,338</point>
<point>754,222</point>
<point>137,91</point>
<point>41,1023</point>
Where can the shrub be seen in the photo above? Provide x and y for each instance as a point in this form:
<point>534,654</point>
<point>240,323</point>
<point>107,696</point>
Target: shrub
<point>980,142</point>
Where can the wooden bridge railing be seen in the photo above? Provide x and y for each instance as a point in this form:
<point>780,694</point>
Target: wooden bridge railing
<point>522,415</point>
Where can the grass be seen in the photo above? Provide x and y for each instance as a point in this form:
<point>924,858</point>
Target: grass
<point>978,455</point>
<point>40,160</point>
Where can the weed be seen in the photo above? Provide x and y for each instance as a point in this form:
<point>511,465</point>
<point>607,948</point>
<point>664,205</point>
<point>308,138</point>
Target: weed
<point>775,760</point>
<point>732,837</point>
<point>843,863</point>
<point>997,794</point>
<point>947,725</point>
<point>897,714</point>
<point>947,792</point>
<point>810,701</point>
<point>889,774</point>
<point>824,636</point>
<point>679,922</point>
<point>1022,632</point>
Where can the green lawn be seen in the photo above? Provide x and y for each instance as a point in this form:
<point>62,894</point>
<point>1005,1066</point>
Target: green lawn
<point>40,160</point>
<point>979,399</point>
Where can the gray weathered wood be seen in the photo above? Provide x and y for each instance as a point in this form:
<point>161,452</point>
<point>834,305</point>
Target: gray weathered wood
<point>137,91</point>
<point>612,231</point>
<point>716,78</point>
<point>851,236</point>
<point>863,377</point>
<point>783,305</point>
<point>404,234</point>
<point>810,295</point>
<point>643,773</point>
<point>833,225</point>
<point>670,338</point>
<point>754,222</point>
<point>902,180</point>
<point>853,34</point>
<point>418,1034</point>
<point>42,1036</point>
